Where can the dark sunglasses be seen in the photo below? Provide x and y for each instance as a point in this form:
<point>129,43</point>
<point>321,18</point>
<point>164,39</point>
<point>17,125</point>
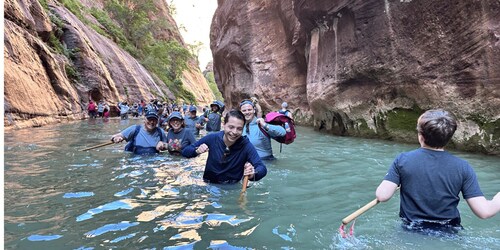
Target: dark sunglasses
<point>224,156</point>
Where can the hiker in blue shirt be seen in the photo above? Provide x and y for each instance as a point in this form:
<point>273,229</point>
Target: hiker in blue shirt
<point>252,130</point>
<point>231,155</point>
<point>285,111</point>
<point>143,139</point>
<point>193,122</point>
<point>178,137</point>
<point>431,180</point>
<point>124,108</point>
<point>213,118</point>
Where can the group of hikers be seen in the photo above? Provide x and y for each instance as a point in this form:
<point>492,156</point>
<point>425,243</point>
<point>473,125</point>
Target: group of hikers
<point>430,179</point>
<point>100,109</point>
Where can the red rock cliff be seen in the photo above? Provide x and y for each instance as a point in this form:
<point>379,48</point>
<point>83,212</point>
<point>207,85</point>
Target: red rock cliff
<point>366,67</point>
<point>38,88</point>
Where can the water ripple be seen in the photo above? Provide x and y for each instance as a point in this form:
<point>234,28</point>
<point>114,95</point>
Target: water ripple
<point>124,225</point>
<point>37,237</point>
<point>115,205</point>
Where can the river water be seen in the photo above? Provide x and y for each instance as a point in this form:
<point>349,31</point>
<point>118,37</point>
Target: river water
<point>57,197</point>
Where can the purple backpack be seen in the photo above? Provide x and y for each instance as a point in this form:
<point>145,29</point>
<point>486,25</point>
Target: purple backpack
<point>276,118</point>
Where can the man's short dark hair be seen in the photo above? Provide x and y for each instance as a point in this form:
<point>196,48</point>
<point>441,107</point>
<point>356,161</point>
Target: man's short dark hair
<point>437,126</point>
<point>236,114</point>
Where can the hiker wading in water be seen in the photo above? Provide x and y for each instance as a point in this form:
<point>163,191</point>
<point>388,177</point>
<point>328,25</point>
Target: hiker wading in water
<point>143,139</point>
<point>431,180</point>
<point>261,141</point>
<point>231,155</point>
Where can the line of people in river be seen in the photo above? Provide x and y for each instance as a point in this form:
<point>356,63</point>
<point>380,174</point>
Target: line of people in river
<point>137,109</point>
<point>430,178</point>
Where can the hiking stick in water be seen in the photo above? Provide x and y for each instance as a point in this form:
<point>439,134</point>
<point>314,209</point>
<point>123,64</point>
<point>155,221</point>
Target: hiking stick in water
<point>98,146</point>
<point>243,199</point>
<point>245,184</point>
<point>360,211</point>
<point>355,215</point>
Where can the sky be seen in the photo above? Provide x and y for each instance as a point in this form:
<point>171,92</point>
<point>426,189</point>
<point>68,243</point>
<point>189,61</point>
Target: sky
<point>195,16</point>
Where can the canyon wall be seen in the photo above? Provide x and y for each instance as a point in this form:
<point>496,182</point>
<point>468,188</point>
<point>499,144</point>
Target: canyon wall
<point>42,86</point>
<point>365,68</point>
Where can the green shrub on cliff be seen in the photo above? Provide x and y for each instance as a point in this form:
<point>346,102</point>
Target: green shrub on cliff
<point>213,86</point>
<point>128,24</point>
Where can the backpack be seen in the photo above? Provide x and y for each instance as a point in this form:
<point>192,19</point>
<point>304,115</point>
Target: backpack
<point>131,144</point>
<point>275,118</point>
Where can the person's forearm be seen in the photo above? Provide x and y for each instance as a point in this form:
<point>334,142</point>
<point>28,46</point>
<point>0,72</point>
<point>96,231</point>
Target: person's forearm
<point>484,208</point>
<point>275,130</point>
<point>189,151</point>
<point>260,172</point>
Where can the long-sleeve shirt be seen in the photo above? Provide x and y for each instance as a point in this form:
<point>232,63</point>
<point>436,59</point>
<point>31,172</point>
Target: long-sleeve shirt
<point>260,141</point>
<point>178,141</point>
<point>227,166</point>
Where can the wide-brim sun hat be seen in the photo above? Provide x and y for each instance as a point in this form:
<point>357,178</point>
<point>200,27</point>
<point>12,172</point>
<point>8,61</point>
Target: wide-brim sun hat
<point>215,104</point>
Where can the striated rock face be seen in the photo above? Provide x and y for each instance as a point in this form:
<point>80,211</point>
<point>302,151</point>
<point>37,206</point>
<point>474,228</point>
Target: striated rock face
<point>366,67</point>
<point>43,87</point>
<point>257,54</point>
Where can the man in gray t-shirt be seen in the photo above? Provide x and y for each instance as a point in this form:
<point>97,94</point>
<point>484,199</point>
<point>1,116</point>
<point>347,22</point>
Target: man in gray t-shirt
<point>431,179</point>
<point>143,139</point>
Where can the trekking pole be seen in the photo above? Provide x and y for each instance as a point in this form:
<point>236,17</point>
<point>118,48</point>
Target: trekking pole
<point>98,146</point>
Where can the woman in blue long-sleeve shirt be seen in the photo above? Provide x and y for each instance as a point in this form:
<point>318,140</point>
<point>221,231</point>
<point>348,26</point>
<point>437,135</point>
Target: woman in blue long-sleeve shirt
<point>261,141</point>
<point>231,155</point>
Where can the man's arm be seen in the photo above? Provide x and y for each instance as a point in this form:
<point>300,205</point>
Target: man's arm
<point>272,130</point>
<point>484,208</point>
<point>254,159</point>
<point>385,190</point>
<point>195,149</point>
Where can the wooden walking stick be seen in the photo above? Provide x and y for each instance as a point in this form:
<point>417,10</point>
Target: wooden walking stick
<point>243,191</point>
<point>98,146</point>
<point>245,184</point>
<point>355,215</point>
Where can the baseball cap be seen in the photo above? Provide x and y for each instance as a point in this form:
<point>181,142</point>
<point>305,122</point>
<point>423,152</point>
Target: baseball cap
<point>192,109</point>
<point>175,115</point>
<point>152,114</point>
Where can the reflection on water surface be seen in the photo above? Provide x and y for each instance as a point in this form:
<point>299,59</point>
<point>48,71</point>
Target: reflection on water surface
<point>57,197</point>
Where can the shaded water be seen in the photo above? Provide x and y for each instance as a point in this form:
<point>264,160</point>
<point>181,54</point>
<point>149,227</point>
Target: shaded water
<point>57,197</point>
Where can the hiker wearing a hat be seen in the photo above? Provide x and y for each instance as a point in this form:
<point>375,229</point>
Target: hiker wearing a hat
<point>193,122</point>
<point>230,155</point>
<point>261,141</point>
<point>178,137</point>
<point>143,139</point>
<point>285,111</point>
<point>213,118</point>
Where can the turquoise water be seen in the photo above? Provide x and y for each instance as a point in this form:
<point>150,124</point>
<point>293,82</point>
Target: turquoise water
<point>57,197</point>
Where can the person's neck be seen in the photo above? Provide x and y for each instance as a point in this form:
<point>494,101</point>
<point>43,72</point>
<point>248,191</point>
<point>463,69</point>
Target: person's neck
<point>252,119</point>
<point>431,148</point>
<point>226,141</point>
